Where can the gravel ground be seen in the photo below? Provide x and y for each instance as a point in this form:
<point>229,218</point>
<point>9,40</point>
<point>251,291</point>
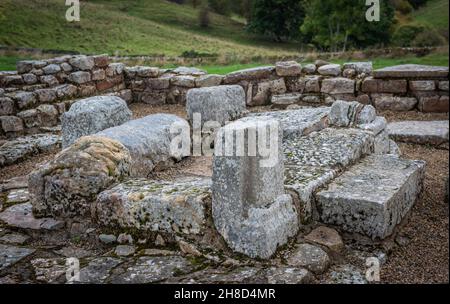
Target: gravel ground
<point>423,256</point>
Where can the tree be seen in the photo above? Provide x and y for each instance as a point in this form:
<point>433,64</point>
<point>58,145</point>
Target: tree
<point>222,7</point>
<point>337,25</point>
<point>277,19</point>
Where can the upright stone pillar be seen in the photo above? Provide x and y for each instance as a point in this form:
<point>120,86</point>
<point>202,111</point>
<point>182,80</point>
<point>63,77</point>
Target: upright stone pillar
<point>250,208</point>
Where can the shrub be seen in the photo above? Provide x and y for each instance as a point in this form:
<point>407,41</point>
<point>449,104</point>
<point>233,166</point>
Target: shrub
<point>405,34</point>
<point>428,37</point>
<point>403,6</point>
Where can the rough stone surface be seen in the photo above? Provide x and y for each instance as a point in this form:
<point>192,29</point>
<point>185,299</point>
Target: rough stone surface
<point>21,216</point>
<point>286,99</point>
<point>395,103</point>
<point>249,74</point>
<point>422,85</point>
<point>380,190</point>
<point>420,132</point>
<point>411,71</point>
<point>19,149</point>
<point>253,219</point>
<point>92,115</point>
<point>208,80</point>
<point>360,67</point>
<point>330,70</point>
<point>327,237</point>
<point>124,250</point>
<point>155,206</point>
<point>68,184</point>
<point>288,68</point>
<point>296,123</point>
<point>10,255</point>
<point>311,257</point>
<point>149,141</point>
<point>288,275</point>
<point>339,85</point>
<point>153,269</point>
<point>98,270</point>
<point>221,104</point>
<point>14,239</point>
<point>436,104</point>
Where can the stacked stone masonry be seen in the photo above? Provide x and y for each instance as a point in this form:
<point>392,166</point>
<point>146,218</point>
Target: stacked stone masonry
<point>34,97</point>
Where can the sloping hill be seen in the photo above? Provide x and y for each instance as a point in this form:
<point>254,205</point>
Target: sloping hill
<point>435,14</point>
<point>147,27</point>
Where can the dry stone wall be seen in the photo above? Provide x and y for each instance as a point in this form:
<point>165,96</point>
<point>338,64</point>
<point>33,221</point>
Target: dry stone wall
<point>33,98</point>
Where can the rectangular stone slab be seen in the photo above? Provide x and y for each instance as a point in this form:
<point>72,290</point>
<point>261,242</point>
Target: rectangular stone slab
<point>372,197</point>
<point>411,71</point>
<point>419,132</point>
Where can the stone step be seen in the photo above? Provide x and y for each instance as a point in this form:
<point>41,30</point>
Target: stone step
<point>373,196</point>
<point>314,160</point>
<point>420,132</point>
<point>296,123</point>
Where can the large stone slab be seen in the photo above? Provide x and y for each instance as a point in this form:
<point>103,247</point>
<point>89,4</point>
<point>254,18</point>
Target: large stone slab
<point>420,132</point>
<point>314,160</point>
<point>411,71</point>
<point>21,216</point>
<point>10,255</point>
<point>156,206</point>
<point>220,103</point>
<point>19,149</point>
<point>372,197</point>
<point>296,123</point>
<point>67,185</point>
<point>148,140</point>
<point>249,74</point>
<point>92,115</point>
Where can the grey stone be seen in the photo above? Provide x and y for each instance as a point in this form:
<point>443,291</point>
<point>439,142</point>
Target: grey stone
<point>264,90</point>
<point>286,99</point>
<point>29,78</point>
<point>6,106</point>
<point>92,115</point>
<point>330,70</point>
<point>367,115</point>
<point>339,85</point>
<point>46,95</point>
<point>107,238</point>
<point>48,115</point>
<point>21,216</point>
<point>25,99</point>
<point>249,74</point>
<point>11,124</point>
<point>49,270</point>
<point>49,80</point>
<point>149,141</point>
<point>51,69</point>
<point>158,83</point>
<point>221,104</point>
<point>173,207</point>
<point>347,274</point>
<point>328,151</point>
<point>66,91</point>
<point>153,269</point>
<point>98,74</point>
<point>327,237</point>
<point>80,77</point>
<point>422,85</point>
<point>376,127</point>
<point>23,147</point>
<point>420,132</point>
<point>125,250</point>
<point>288,275</point>
<point>395,103</point>
<point>9,255</point>
<point>360,67</point>
<point>183,81</point>
<point>296,123</point>
<point>381,189</point>
<point>189,71</point>
<point>66,67</point>
<point>344,114</point>
<point>14,239</point>
<point>253,219</point>
<point>82,62</point>
<point>443,85</point>
<point>309,68</point>
<point>98,270</point>
<point>17,196</point>
<point>24,66</point>
<point>67,185</point>
<point>73,252</point>
<point>124,238</point>
<point>208,80</point>
<point>288,68</point>
<point>311,257</point>
<point>411,71</point>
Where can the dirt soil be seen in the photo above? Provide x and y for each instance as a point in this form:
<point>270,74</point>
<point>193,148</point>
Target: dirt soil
<point>421,254</point>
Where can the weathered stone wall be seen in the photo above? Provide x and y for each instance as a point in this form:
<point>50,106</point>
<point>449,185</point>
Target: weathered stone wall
<point>33,98</point>
<point>37,94</point>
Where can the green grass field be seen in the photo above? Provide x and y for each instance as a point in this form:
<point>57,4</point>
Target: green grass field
<point>434,13</point>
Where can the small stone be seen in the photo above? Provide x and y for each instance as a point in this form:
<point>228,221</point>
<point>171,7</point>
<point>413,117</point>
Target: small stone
<point>73,252</point>
<point>82,62</point>
<point>288,68</point>
<point>309,68</point>
<point>347,274</point>
<point>327,237</point>
<point>330,70</point>
<point>11,255</point>
<point>188,249</point>
<point>159,252</point>
<point>49,270</point>
<point>14,239</point>
<point>125,239</point>
<point>20,216</point>
<point>310,257</point>
<point>107,238</point>
<point>51,69</point>
<point>319,63</point>
<point>80,77</point>
<point>402,240</point>
<point>124,250</point>
<point>159,241</point>
<point>288,275</point>
<point>98,270</point>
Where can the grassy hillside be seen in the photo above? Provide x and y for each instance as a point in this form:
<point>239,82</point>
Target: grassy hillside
<point>434,13</point>
<point>128,27</point>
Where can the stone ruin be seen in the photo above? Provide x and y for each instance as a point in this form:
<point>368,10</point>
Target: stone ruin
<point>337,164</point>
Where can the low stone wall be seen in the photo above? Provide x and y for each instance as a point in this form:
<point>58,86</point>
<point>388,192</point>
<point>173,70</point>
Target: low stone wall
<point>34,97</point>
